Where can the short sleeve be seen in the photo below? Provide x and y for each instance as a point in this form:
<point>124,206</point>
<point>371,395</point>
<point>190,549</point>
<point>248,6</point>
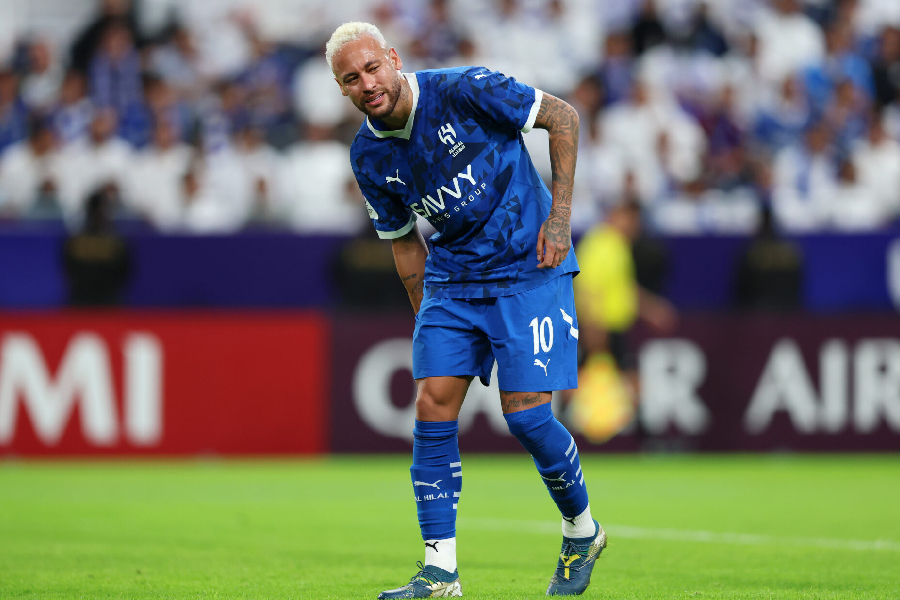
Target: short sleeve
<point>391,219</point>
<point>498,98</point>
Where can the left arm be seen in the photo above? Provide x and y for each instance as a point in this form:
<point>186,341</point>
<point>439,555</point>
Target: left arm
<point>561,122</point>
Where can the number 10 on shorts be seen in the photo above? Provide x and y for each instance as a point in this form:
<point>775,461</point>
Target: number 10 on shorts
<point>543,334</point>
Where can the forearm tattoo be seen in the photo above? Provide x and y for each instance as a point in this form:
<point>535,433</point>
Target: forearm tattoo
<point>561,121</point>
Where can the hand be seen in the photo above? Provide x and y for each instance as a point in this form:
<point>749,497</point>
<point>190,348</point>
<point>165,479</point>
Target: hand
<point>660,315</point>
<point>554,241</point>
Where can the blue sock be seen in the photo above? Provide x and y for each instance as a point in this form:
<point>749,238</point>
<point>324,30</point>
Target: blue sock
<point>555,455</point>
<point>437,477</point>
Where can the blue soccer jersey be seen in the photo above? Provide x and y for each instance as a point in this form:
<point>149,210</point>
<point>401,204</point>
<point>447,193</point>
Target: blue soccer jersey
<point>461,163</point>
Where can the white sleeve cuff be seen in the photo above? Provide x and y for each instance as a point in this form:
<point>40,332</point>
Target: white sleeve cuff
<point>390,235</point>
<point>535,109</point>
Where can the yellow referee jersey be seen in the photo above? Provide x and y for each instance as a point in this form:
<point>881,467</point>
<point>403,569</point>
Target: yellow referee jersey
<point>606,291</point>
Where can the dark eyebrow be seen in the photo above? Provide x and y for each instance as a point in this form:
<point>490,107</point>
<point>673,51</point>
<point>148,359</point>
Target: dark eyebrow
<point>365,68</point>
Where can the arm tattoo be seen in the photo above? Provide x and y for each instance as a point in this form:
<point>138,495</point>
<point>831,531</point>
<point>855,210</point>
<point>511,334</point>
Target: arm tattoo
<point>561,121</point>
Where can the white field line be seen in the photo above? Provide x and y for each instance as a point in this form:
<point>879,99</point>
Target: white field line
<point>683,535</point>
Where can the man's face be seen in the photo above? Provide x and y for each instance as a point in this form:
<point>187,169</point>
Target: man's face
<point>369,75</point>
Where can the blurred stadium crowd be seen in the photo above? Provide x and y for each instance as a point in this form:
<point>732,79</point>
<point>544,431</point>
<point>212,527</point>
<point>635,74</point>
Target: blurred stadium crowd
<point>213,116</point>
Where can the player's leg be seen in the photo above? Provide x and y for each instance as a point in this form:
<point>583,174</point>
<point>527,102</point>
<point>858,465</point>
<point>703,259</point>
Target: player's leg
<point>539,352</point>
<point>437,468</point>
<point>531,421</point>
<point>447,353</point>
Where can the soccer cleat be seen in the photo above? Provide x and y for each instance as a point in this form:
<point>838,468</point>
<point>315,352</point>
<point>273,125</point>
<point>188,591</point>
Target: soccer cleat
<point>576,561</point>
<point>429,582</point>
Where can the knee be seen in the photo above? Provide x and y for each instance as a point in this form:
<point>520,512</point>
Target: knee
<point>431,406</point>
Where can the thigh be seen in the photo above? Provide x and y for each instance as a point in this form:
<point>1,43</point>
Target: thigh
<point>449,341</point>
<point>534,336</point>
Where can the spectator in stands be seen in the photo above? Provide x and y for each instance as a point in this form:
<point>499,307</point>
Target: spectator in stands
<point>260,162</point>
<point>886,67</point>
<point>769,271</point>
<point>155,186</point>
<point>98,160</point>
<point>438,34</point>
<point>218,194</point>
<point>847,114</point>
<point>43,78</point>
<point>73,113</point>
<point>616,70</point>
<point>28,175</point>
<point>115,71</point>
<point>783,117</point>
<point>852,205</point>
<point>89,41</point>
<point>703,34</point>
<point>877,162</point>
<point>222,113</point>
<point>268,86</point>
<point>313,185</point>
<point>175,61</point>
<point>160,103</point>
<point>727,157</point>
<point>660,143</point>
<point>97,260</point>
<point>842,63</point>
<point>788,40</point>
<point>600,181</point>
<point>13,112</point>
<point>804,177</point>
<point>648,30</point>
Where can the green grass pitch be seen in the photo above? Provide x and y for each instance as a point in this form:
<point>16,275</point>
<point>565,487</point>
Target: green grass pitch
<point>779,527</point>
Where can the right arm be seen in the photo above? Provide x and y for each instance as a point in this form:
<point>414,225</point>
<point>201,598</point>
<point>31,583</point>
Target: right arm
<point>410,252</point>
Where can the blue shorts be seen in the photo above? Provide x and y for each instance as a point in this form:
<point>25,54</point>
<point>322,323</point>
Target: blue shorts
<point>533,336</point>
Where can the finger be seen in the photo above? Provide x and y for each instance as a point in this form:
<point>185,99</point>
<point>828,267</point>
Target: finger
<point>540,245</point>
<point>549,257</point>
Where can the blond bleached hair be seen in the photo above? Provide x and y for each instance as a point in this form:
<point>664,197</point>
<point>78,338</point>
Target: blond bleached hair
<point>349,32</point>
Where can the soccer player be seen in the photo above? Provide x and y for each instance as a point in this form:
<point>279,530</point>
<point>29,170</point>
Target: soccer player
<point>494,282</point>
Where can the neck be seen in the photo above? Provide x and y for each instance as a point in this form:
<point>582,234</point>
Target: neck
<point>398,118</point>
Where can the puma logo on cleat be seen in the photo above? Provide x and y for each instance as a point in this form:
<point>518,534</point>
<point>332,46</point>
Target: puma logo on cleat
<point>397,178</point>
<point>434,485</point>
<point>538,363</point>
<point>434,546</point>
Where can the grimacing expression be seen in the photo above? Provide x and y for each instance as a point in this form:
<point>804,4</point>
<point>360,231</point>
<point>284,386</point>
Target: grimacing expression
<point>369,75</point>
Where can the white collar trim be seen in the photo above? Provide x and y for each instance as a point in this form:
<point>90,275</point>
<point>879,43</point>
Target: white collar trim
<point>402,133</point>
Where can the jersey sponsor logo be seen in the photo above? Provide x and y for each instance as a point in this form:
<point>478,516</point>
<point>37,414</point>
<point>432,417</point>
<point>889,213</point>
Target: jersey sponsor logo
<point>436,208</point>
<point>373,214</point>
<point>397,178</point>
<point>434,485</point>
<point>538,363</point>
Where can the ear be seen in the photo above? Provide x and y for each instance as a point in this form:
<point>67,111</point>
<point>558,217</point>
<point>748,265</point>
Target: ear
<point>340,85</point>
<point>395,59</point>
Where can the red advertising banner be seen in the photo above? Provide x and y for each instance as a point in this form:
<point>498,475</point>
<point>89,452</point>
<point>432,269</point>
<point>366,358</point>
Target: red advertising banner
<point>85,383</point>
<point>720,383</point>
